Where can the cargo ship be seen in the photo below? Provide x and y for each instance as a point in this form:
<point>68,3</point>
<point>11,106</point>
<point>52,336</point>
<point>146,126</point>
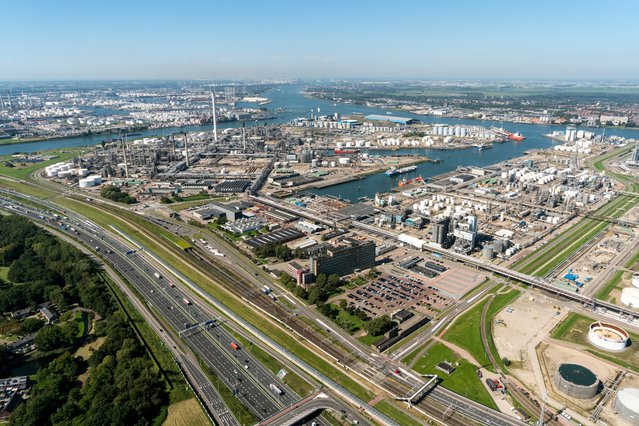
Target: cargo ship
<point>405,181</point>
<point>394,171</point>
<point>516,136</point>
<point>346,151</point>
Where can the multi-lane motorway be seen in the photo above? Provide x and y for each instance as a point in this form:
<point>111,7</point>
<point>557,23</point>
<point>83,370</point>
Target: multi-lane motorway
<point>236,368</point>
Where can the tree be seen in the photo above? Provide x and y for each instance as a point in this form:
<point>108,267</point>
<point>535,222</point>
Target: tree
<point>317,294</point>
<point>166,200</point>
<point>31,325</point>
<point>342,304</point>
<point>379,325</point>
<point>505,361</point>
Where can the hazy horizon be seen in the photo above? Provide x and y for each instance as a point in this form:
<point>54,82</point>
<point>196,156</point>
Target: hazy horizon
<point>248,40</point>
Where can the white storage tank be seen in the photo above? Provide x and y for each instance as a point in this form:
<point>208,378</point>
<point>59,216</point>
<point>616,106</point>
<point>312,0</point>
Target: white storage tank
<point>630,296</point>
<point>86,182</point>
<point>635,280</point>
<point>83,172</point>
<point>608,336</point>
<point>344,161</point>
<point>96,178</point>
<point>627,404</point>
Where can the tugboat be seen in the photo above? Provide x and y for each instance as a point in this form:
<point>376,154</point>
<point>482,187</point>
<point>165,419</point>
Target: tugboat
<point>516,136</point>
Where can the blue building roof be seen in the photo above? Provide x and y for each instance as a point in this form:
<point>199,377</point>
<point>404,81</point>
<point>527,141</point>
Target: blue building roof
<point>392,118</point>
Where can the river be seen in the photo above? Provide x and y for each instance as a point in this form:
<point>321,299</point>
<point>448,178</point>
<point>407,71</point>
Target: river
<point>297,105</point>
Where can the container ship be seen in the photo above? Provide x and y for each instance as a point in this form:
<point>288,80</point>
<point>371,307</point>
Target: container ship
<point>516,136</point>
<point>394,171</point>
<point>346,151</point>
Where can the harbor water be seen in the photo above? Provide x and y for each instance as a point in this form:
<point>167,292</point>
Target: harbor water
<point>296,104</point>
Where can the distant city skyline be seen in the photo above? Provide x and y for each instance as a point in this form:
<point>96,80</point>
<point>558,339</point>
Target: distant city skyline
<point>142,40</point>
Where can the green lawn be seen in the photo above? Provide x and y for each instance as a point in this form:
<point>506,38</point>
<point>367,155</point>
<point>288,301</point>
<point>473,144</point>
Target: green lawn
<point>463,380</point>
<point>80,318</point>
<point>390,408</point>
<point>574,329</point>
<point>613,283</point>
<point>4,270</point>
<point>466,331</point>
<point>23,172</point>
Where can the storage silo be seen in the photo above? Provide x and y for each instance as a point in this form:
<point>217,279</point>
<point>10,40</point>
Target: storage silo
<point>488,252</point>
<point>576,381</point>
<point>627,404</point>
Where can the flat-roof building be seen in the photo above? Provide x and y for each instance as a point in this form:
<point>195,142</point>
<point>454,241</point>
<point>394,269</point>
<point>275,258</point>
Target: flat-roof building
<point>392,119</point>
<point>345,259</point>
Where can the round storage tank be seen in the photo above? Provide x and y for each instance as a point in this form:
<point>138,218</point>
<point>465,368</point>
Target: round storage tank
<point>627,404</point>
<point>96,178</point>
<point>87,182</point>
<point>488,252</point>
<point>83,172</point>
<point>635,280</point>
<point>608,336</point>
<point>344,160</point>
<point>630,296</point>
<point>576,381</point>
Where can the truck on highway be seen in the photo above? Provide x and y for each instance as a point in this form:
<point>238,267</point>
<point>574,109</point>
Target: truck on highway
<point>157,275</point>
<point>234,346</point>
<point>266,289</point>
<point>276,390</point>
<point>186,301</point>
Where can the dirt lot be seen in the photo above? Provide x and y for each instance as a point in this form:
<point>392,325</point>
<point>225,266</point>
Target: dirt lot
<point>533,316</point>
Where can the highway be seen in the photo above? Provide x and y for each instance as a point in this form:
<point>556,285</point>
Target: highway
<point>252,384</point>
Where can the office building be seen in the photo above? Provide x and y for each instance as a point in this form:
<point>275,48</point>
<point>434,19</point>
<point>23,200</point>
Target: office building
<point>349,256</point>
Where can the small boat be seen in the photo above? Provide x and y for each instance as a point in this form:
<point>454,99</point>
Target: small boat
<point>484,146</point>
<point>516,136</point>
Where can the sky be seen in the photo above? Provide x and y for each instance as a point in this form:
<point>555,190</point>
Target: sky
<point>369,39</point>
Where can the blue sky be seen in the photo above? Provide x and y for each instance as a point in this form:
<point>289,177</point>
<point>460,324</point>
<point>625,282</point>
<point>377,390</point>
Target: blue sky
<point>135,39</point>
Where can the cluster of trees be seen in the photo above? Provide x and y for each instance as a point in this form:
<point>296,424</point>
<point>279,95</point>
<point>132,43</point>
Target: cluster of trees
<point>281,251</point>
<point>380,325</point>
<point>46,269</point>
<point>116,194</point>
<point>123,386</point>
<point>57,336</point>
<point>317,293</point>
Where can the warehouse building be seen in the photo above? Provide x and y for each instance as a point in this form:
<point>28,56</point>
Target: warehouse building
<point>392,118</point>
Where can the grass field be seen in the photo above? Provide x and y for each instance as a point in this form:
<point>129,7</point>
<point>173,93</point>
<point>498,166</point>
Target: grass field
<point>22,172</point>
<point>560,248</point>
<point>86,350</point>
<point>574,329</point>
<point>4,270</point>
<point>186,413</point>
<point>466,331</point>
<point>611,285</point>
<point>463,380</point>
<point>391,409</point>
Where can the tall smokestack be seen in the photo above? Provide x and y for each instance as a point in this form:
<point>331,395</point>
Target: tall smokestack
<point>214,115</point>
<point>186,149</point>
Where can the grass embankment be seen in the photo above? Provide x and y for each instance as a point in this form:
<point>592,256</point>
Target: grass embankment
<point>466,331</point>
<point>574,329</point>
<point>186,413</point>
<point>391,409</point>
<point>463,380</point>
<point>566,244</point>
<point>175,259</point>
